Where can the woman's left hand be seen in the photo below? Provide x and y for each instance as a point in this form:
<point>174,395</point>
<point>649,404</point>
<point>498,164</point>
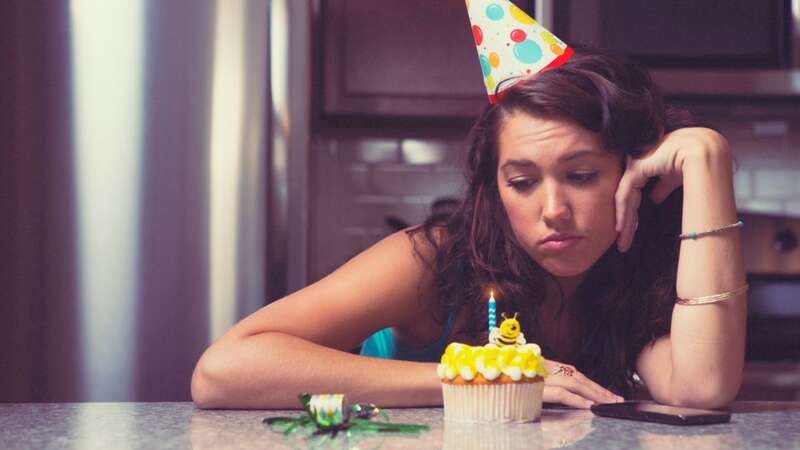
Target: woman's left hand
<point>665,161</point>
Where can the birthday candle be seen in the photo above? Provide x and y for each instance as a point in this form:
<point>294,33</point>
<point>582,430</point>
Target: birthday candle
<point>492,308</point>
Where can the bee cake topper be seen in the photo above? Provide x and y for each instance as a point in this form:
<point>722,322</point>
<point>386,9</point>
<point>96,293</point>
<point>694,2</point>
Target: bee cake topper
<point>509,332</point>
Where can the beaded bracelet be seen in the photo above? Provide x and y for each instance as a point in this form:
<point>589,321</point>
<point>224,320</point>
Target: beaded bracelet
<point>712,298</point>
<point>695,235</point>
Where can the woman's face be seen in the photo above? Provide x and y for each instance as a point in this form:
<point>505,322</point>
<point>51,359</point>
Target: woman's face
<point>557,181</point>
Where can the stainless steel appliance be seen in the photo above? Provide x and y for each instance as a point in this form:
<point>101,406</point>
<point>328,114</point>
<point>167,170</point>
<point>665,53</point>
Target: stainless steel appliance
<point>147,149</point>
<point>772,258</point>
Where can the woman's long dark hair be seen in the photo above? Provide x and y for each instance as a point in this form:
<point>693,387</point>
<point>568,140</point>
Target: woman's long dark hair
<point>626,299</point>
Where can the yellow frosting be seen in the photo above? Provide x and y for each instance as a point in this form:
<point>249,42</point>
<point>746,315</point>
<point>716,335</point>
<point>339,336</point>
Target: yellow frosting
<point>490,361</point>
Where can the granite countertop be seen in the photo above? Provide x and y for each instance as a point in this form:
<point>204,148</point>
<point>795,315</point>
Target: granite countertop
<point>754,425</point>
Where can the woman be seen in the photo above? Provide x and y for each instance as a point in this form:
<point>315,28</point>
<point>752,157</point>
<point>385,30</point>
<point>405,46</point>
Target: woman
<point>569,218</point>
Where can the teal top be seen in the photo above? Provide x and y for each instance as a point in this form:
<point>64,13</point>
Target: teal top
<point>383,344</point>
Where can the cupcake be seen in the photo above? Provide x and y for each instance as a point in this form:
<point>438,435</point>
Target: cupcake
<point>501,381</point>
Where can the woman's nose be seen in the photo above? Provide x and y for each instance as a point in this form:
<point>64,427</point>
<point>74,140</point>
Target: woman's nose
<point>556,205</point>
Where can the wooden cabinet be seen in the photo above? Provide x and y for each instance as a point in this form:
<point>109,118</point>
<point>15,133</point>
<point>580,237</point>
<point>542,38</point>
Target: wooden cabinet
<point>400,58</point>
<point>774,381</point>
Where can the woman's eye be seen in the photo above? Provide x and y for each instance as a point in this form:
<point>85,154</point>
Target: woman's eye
<point>521,184</point>
<point>581,177</point>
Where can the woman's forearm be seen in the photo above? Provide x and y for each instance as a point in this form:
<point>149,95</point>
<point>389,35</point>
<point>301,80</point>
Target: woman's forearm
<point>707,341</point>
<point>269,370</point>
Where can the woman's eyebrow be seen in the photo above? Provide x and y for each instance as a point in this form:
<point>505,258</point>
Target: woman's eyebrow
<point>518,163</point>
<point>562,159</point>
<point>577,154</point>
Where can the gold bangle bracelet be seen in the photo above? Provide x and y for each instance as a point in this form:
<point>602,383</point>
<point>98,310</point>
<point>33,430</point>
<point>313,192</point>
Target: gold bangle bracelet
<point>712,298</point>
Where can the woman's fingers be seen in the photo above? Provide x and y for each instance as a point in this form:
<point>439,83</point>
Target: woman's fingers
<point>622,196</point>
<point>631,221</point>
<point>621,201</point>
<point>568,378</point>
<point>601,395</point>
<point>584,387</point>
<point>627,200</point>
<point>557,394</point>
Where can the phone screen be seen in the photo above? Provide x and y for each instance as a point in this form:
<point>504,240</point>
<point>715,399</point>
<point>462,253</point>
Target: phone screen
<point>654,412</point>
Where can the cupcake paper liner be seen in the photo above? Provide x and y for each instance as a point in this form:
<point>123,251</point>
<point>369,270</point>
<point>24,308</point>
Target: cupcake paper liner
<point>504,402</point>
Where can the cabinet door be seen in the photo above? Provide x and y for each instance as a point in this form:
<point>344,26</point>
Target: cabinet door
<point>400,57</point>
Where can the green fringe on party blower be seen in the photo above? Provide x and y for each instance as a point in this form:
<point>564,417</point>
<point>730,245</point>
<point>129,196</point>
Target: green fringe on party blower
<point>356,419</point>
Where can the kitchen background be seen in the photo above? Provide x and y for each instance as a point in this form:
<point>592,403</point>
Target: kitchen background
<point>167,167</point>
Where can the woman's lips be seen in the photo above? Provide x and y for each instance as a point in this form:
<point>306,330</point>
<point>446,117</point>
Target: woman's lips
<point>561,244</point>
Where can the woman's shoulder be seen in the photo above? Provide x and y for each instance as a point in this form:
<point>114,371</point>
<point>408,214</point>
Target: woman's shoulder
<point>408,255</point>
<point>427,239</point>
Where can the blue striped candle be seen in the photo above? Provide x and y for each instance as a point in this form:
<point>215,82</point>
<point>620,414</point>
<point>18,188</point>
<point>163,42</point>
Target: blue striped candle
<point>492,309</point>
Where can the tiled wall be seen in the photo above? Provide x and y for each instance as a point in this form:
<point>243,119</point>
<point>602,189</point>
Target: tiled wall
<point>357,182</point>
<point>768,154</point>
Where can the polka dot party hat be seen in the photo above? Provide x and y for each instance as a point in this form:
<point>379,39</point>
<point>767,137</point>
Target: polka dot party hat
<point>511,44</point>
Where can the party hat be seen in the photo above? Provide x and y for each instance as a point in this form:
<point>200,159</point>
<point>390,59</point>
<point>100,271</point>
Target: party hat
<point>511,44</point>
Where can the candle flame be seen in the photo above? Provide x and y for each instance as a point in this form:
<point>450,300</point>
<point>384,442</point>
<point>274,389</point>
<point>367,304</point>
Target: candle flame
<point>491,292</point>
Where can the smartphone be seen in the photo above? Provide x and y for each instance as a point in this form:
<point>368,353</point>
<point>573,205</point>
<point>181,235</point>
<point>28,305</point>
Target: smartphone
<point>654,412</point>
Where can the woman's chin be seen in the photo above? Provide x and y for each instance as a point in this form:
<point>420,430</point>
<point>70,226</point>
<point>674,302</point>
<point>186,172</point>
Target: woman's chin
<point>566,273</point>
<point>568,265</point>
<point>564,270</point>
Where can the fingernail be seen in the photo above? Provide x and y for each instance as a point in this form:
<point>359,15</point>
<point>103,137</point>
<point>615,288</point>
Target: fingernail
<point>620,399</point>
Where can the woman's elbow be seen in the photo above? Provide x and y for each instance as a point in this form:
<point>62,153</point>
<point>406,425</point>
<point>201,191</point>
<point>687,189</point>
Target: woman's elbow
<point>207,379</point>
<point>707,395</point>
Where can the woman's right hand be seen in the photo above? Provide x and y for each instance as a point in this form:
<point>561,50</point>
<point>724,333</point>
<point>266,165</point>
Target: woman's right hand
<point>567,386</point>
